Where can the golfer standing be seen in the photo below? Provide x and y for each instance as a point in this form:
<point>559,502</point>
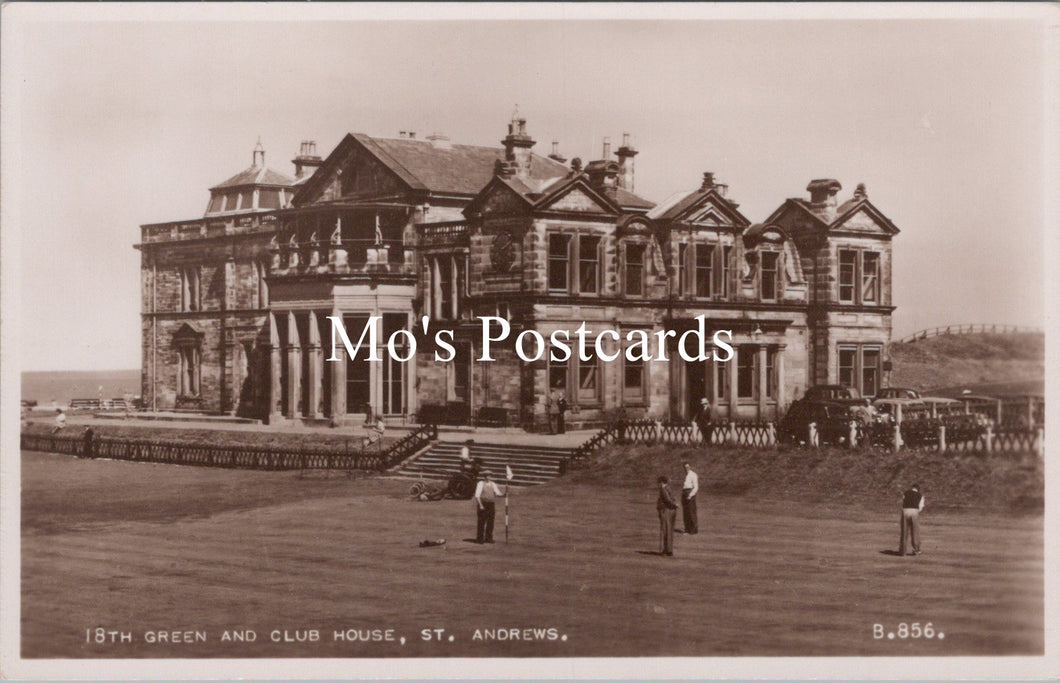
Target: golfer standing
<point>485,494</point>
<point>688,500</point>
<point>666,505</point>
<point>912,504</point>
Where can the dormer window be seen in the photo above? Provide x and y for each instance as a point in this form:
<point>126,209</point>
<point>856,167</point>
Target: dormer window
<point>769,282</point>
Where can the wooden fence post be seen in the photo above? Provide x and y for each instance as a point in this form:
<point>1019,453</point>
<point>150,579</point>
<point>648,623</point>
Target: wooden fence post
<point>733,436</point>
<point>852,434</point>
<point>989,436</point>
<point>1039,441</point>
<point>772,434</point>
<point>813,440</point>
<point>897,437</point>
<point>942,438</point>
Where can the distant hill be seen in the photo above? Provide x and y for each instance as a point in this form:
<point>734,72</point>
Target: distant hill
<point>1005,362</point>
<point>61,386</point>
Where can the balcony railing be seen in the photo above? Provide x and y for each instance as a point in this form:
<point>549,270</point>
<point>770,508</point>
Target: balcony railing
<point>444,230</point>
<point>207,227</point>
<point>339,257</point>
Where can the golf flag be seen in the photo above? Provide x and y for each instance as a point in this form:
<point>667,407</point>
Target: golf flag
<point>508,476</point>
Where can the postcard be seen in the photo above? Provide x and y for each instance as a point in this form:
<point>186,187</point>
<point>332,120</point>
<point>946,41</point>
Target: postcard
<point>528,341</point>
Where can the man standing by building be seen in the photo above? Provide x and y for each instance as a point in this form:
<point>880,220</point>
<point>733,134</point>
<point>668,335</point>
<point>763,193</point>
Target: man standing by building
<point>666,505</point>
<point>912,504</point>
<point>561,415</point>
<point>703,421</point>
<point>485,494</point>
<point>688,500</point>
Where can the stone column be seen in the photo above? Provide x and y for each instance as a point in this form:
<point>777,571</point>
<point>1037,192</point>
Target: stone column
<point>294,367</point>
<point>436,288</point>
<point>338,376</point>
<point>733,399</point>
<point>316,376</point>
<point>780,380</point>
<point>275,389</point>
<point>454,287</point>
<point>763,382</point>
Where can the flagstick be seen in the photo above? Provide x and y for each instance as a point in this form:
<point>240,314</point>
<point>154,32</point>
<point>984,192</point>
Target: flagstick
<point>507,484</point>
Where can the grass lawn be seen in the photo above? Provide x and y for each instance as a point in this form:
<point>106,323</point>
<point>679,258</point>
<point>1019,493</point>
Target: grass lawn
<point>142,548</point>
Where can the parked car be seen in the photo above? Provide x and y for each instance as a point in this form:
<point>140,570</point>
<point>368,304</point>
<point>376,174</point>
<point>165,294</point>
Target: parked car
<point>832,392</point>
<point>831,417</point>
<point>897,392</point>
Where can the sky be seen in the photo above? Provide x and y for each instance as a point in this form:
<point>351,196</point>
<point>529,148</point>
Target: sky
<point>122,123</point>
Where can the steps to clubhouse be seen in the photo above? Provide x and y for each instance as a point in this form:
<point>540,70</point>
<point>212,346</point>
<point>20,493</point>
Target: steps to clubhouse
<point>530,464</point>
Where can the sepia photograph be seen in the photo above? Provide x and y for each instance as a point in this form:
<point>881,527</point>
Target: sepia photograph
<point>528,340</point>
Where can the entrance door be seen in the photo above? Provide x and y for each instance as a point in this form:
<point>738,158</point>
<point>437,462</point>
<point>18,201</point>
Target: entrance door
<point>696,381</point>
<point>358,371</point>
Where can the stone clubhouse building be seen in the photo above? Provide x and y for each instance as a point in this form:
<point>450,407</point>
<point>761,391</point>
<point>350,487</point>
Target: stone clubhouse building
<point>235,303</point>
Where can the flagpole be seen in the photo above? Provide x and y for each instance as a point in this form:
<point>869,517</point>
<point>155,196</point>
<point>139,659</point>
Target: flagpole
<point>507,484</point>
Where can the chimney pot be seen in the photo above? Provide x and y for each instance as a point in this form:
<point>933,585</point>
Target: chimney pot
<point>607,148</point>
<point>576,164</point>
<point>708,181</point>
<point>860,193</point>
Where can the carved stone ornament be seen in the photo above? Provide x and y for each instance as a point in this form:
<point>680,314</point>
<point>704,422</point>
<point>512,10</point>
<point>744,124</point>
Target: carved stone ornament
<point>502,252</point>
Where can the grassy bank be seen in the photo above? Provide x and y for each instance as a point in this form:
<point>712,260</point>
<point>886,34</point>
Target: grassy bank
<point>949,360</point>
<point>1001,482</point>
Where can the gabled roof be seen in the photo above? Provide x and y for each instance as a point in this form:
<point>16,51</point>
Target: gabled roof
<point>256,175</point>
<point>844,212</point>
<point>682,204</point>
<point>440,169</point>
<point>852,208</point>
<point>581,182</point>
<point>800,205</point>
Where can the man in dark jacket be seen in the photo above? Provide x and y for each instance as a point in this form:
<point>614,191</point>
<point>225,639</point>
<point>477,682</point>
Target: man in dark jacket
<point>912,504</point>
<point>667,507</point>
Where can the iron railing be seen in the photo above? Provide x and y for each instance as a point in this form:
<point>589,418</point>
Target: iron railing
<point>235,457</point>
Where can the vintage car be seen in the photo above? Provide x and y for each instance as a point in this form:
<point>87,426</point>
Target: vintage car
<point>897,393</point>
<point>832,419</point>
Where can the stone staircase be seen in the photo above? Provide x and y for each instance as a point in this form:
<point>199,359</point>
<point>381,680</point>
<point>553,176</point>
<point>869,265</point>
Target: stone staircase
<point>530,464</point>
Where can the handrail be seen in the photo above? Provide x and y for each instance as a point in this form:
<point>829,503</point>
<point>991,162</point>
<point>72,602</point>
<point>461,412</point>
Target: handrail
<point>969,329</point>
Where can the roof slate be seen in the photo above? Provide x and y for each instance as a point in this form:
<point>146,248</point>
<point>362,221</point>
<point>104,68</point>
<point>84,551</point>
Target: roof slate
<point>459,169</point>
<point>256,175</point>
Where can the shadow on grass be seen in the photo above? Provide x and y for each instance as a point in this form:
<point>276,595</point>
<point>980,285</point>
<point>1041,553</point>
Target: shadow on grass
<point>893,553</point>
<point>651,552</point>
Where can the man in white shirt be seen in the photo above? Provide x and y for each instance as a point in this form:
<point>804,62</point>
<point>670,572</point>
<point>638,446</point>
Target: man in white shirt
<point>688,500</point>
<point>60,421</point>
<point>485,493</point>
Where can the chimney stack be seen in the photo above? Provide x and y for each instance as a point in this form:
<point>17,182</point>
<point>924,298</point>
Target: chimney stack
<point>439,141</point>
<point>823,198</point>
<point>307,158</point>
<point>517,146</point>
<point>503,169</point>
<point>607,149</point>
<point>708,181</point>
<point>625,163</point>
<point>556,156</point>
<point>860,193</point>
